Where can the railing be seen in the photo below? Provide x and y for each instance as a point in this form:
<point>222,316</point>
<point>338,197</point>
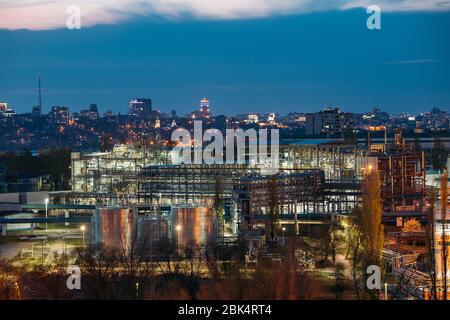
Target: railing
<point>389,255</point>
<point>411,281</point>
<point>412,277</point>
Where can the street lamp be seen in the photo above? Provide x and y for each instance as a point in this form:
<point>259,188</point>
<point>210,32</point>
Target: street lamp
<point>46,214</point>
<point>64,244</point>
<point>82,228</point>
<point>18,290</point>
<point>137,290</point>
<point>385,291</point>
<point>178,229</point>
<point>283,229</point>
<point>42,254</point>
<point>159,203</point>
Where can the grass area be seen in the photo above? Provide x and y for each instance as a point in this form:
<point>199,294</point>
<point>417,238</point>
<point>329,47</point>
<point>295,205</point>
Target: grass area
<point>5,240</point>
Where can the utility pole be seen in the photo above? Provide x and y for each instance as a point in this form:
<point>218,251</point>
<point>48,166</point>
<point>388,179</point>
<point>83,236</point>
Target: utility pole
<point>40,95</point>
<point>42,254</point>
<point>295,218</point>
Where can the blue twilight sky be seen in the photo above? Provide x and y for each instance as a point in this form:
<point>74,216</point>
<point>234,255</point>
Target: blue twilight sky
<point>277,63</point>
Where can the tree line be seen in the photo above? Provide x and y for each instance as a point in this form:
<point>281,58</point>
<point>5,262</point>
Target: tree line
<point>54,162</point>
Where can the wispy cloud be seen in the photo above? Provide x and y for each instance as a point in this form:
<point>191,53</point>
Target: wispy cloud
<point>51,14</point>
<point>416,61</point>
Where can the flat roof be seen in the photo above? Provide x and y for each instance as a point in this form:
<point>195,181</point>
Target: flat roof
<point>309,141</point>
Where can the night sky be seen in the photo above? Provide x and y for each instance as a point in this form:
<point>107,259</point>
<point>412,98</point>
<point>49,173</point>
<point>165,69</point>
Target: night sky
<point>288,63</point>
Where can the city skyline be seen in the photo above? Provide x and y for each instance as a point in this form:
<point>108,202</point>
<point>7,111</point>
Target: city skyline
<point>284,63</point>
<point>227,154</point>
<point>106,112</point>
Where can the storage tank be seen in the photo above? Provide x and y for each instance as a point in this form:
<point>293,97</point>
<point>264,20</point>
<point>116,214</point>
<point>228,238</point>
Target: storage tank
<point>114,227</point>
<point>193,224</point>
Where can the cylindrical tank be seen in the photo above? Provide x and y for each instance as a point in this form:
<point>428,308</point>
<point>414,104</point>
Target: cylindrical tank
<point>192,225</point>
<point>114,227</point>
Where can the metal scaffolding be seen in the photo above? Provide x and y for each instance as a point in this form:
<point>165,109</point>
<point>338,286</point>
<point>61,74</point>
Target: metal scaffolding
<point>402,174</point>
<point>339,160</point>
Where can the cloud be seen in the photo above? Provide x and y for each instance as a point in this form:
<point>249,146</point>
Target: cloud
<point>417,61</point>
<point>52,14</point>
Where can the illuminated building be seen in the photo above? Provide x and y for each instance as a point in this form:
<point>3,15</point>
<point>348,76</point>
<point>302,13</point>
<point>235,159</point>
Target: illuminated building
<point>402,173</point>
<point>252,118</point>
<point>111,177</point>
<point>339,160</point>
<point>60,114</point>
<point>329,121</point>
<point>271,117</point>
<point>140,108</point>
<point>91,113</point>
<point>439,226</point>
<point>3,106</point>
<point>205,111</point>
<point>5,111</point>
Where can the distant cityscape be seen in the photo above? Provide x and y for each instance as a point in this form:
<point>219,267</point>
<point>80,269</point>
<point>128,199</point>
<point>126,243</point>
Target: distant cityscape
<point>90,129</point>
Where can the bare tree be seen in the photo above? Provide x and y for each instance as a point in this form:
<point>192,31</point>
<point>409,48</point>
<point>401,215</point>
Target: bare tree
<point>274,209</point>
<point>335,237</point>
<point>354,248</point>
<point>372,230</point>
<point>430,234</point>
<point>99,266</point>
<point>340,283</point>
<point>444,240</point>
<point>400,281</point>
<point>134,262</point>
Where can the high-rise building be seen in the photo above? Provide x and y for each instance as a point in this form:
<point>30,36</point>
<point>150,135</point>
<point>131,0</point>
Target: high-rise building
<point>93,108</point>
<point>271,118</point>
<point>60,114</point>
<point>91,113</point>
<point>329,121</point>
<point>252,118</point>
<point>205,111</point>
<point>5,111</point>
<point>140,108</point>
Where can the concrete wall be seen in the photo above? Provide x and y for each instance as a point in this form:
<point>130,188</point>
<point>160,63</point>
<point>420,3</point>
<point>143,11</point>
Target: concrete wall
<point>9,197</point>
<point>24,197</point>
<point>36,197</point>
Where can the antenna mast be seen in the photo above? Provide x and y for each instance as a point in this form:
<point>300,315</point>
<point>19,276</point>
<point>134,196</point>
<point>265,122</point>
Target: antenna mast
<point>40,96</point>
